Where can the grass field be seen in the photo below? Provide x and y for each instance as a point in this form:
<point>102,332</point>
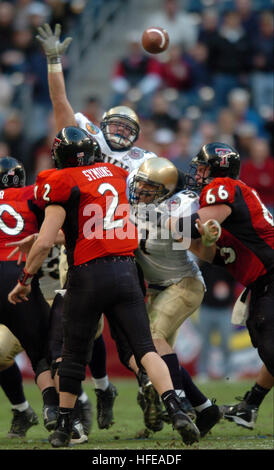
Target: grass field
<point>129,422</point>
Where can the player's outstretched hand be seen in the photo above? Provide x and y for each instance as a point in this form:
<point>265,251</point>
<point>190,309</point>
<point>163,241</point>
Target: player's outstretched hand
<point>22,247</point>
<point>50,42</point>
<point>210,231</point>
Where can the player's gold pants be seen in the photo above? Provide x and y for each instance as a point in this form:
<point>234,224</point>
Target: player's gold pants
<point>169,308</point>
<point>9,347</point>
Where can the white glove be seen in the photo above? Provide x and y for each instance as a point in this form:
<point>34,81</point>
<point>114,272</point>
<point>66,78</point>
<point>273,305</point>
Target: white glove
<point>51,44</point>
<point>211,232</point>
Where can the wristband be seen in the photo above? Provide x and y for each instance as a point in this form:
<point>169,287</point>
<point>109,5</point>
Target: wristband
<point>25,278</point>
<point>190,221</point>
<point>53,68</point>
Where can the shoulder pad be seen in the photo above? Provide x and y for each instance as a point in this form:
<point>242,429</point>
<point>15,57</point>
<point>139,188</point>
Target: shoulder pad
<point>91,128</point>
<point>182,202</point>
<point>189,193</point>
<point>85,124</point>
<point>138,153</point>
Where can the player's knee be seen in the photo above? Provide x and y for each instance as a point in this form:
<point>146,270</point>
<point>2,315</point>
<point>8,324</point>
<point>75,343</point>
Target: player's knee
<point>157,333</point>
<point>71,375</point>
<point>191,293</point>
<point>266,353</point>
<point>124,356</point>
<point>10,346</point>
<point>142,352</point>
<point>54,367</point>
<point>5,358</point>
<point>5,364</point>
<point>42,366</point>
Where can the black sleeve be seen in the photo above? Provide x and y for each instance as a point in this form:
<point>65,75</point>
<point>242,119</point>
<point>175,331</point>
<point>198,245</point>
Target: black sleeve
<point>39,213</point>
<point>191,221</point>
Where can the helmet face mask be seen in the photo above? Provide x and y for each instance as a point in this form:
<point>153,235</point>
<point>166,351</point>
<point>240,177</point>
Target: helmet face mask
<point>73,147</point>
<point>143,191</point>
<point>155,181</point>
<point>214,160</point>
<point>198,176</point>
<point>120,126</point>
<point>12,173</point>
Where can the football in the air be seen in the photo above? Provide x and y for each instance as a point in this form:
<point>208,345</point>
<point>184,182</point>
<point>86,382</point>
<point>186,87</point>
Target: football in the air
<point>155,40</point>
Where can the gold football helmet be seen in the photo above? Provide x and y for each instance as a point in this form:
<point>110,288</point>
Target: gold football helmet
<point>155,181</point>
<point>120,126</point>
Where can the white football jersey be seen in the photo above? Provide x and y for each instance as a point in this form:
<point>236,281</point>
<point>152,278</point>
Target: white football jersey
<point>160,256</point>
<point>128,159</point>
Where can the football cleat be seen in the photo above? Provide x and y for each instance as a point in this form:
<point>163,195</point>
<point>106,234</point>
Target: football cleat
<point>150,403</point>
<point>242,414</point>
<point>207,418</point>
<point>22,421</point>
<point>78,435</point>
<point>60,438</point>
<point>141,400</point>
<point>152,408</point>
<point>182,423</point>
<point>50,414</point>
<point>85,415</point>
<point>185,406</point>
<point>105,402</point>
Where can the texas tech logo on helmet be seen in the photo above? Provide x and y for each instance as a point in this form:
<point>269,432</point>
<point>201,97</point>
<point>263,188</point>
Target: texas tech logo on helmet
<point>223,153</point>
<point>56,142</point>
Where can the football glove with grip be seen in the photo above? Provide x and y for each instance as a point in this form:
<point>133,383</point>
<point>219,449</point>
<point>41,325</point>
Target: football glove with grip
<point>51,44</point>
<point>211,232</point>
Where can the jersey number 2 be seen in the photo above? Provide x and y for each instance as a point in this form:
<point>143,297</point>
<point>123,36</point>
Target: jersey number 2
<point>109,222</point>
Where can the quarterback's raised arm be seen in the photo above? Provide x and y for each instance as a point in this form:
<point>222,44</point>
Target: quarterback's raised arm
<point>54,49</point>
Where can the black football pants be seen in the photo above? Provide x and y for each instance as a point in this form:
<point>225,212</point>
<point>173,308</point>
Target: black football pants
<point>28,321</point>
<point>260,323</point>
<point>110,285</point>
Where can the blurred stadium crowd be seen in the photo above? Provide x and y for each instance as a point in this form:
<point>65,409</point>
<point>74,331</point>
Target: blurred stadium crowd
<point>214,83</point>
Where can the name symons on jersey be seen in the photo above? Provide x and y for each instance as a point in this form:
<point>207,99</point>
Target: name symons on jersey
<point>97,173</point>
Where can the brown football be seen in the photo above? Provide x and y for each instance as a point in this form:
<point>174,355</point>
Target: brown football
<point>155,40</point>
